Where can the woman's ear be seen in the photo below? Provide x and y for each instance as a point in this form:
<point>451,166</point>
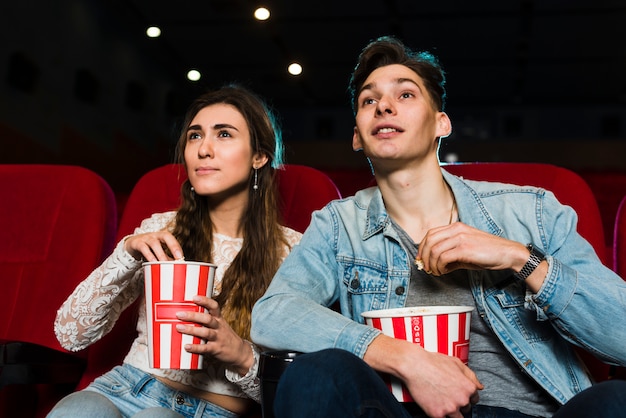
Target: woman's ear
<point>259,160</point>
<point>444,126</point>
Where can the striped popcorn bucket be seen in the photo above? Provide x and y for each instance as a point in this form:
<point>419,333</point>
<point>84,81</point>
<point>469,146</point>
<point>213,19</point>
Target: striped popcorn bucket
<point>169,288</point>
<point>442,329</point>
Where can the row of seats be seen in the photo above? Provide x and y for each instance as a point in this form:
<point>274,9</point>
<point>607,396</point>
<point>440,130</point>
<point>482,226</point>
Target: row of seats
<point>60,222</point>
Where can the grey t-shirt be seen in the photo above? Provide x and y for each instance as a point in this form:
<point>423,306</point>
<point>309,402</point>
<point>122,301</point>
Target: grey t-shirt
<point>506,384</point>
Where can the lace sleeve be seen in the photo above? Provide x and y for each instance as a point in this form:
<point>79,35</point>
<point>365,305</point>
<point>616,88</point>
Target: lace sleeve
<point>250,384</point>
<point>292,237</point>
<point>92,309</point>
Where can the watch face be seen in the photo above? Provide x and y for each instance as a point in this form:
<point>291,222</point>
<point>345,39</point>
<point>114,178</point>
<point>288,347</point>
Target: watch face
<point>536,252</point>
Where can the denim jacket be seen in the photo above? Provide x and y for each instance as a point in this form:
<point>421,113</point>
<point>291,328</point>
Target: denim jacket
<point>351,254</point>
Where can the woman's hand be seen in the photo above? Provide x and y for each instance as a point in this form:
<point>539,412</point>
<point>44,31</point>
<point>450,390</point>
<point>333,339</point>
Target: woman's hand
<point>222,342</point>
<point>151,246</point>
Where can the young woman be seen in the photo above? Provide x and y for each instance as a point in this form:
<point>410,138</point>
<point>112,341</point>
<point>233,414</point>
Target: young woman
<point>230,147</point>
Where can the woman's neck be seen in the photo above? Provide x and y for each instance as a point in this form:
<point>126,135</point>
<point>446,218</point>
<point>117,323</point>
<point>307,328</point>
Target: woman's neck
<point>227,217</point>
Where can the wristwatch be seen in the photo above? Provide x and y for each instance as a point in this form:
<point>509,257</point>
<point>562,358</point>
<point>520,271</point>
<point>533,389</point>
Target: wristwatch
<point>535,258</point>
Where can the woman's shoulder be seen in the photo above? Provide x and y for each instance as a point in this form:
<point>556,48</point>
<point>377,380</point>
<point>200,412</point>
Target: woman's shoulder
<point>157,222</point>
<point>291,235</point>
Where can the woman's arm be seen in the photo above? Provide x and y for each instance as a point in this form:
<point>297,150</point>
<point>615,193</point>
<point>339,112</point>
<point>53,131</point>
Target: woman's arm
<point>92,309</point>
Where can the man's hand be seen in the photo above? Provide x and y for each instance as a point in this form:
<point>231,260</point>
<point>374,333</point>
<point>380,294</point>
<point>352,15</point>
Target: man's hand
<point>441,385</point>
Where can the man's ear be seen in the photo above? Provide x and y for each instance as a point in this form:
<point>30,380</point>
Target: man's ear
<point>444,126</point>
<point>357,144</point>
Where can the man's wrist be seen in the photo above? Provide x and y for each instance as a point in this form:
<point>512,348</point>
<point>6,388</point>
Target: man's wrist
<point>534,259</point>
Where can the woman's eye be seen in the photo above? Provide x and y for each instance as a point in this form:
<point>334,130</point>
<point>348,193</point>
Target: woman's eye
<point>368,101</point>
<point>194,135</point>
<point>224,134</point>
<point>406,95</point>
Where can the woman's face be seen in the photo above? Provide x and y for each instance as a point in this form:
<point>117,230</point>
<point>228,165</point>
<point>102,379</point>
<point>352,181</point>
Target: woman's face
<point>218,153</point>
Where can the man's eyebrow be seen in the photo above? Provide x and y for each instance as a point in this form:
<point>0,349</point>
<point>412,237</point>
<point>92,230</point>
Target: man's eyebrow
<point>397,81</point>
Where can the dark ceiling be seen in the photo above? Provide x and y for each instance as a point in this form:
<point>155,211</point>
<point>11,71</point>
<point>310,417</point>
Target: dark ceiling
<point>513,52</point>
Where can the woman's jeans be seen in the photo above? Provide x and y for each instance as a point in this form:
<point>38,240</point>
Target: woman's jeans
<point>127,391</point>
<point>335,383</point>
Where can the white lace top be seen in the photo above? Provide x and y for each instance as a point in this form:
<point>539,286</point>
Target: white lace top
<point>97,302</point>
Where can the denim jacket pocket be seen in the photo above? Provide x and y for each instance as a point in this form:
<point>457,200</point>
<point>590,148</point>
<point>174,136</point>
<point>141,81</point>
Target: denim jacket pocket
<point>511,301</point>
<point>366,284</point>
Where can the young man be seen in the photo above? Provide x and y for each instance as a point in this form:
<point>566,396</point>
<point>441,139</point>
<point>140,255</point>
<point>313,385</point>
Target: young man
<point>426,237</point>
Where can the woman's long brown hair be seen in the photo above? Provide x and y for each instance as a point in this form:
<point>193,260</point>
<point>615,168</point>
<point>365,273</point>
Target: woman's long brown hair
<point>253,268</point>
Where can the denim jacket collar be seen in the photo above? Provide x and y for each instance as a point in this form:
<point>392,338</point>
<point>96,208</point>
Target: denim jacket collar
<point>377,217</point>
<point>469,207</point>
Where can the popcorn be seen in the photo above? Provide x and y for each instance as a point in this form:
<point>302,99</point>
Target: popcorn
<point>419,263</point>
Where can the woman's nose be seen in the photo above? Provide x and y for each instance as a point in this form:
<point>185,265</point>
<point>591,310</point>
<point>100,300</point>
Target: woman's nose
<point>205,149</point>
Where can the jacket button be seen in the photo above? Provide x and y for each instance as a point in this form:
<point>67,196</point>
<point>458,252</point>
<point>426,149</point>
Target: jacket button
<point>400,290</point>
<point>354,283</point>
<point>180,399</point>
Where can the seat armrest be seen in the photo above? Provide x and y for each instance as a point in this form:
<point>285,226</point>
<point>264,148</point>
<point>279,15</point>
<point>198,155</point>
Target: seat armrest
<point>28,363</point>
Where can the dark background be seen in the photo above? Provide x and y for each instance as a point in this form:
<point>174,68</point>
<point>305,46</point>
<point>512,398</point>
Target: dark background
<point>80,83</point>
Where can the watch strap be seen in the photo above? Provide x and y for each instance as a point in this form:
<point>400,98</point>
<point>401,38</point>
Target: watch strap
<point>535,258</point>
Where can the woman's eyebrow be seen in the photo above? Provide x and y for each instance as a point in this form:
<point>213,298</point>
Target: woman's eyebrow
<point>224,125</point>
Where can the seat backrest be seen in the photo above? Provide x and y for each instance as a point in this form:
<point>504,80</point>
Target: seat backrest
<point>619,240</point>
<point>301,189</point>
<point>568,187</point>
<point>58,223</point>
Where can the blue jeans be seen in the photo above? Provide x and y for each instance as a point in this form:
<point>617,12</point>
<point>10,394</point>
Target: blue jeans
<point>335,383</point>
<point>127,392</point>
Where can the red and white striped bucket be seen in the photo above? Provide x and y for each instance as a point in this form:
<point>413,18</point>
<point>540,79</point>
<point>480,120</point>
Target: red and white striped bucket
<point>442,329</point>
<point>169,288</point>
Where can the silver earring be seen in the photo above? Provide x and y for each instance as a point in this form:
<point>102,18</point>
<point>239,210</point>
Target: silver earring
<point>256,179</point>
<point>193,191</point>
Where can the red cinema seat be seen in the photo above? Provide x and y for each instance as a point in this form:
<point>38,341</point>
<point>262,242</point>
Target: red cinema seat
<point>58,223</point>
<point>302,190</point>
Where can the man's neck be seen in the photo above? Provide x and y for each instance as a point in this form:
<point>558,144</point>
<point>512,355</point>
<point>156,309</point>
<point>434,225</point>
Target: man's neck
<point>417,200</point>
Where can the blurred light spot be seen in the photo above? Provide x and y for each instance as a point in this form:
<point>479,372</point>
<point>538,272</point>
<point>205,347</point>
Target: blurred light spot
<point>294,68</point>
<point>262,13</point>
<point>451,158</point>
<point>153,32</point>
<point>194,75</point>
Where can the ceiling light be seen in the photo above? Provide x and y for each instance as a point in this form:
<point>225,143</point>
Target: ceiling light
<point>294,68</point>
<point>262,13</point>
<point>194,75</point>
<point>153,32</point>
